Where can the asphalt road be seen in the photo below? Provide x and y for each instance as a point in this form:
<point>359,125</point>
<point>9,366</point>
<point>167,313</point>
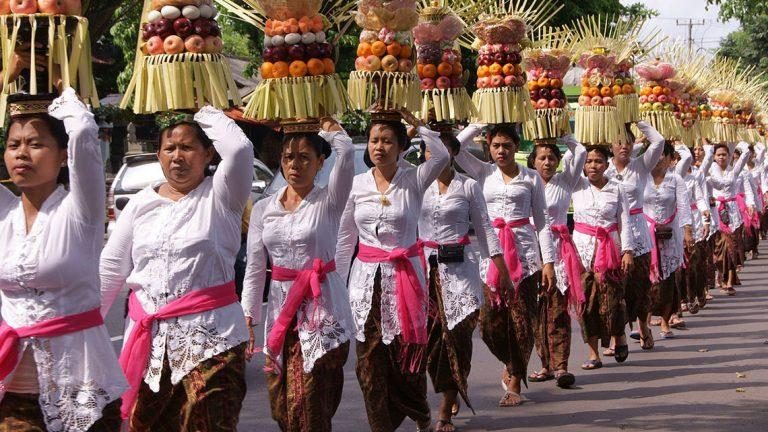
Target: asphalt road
<point>713,377</point>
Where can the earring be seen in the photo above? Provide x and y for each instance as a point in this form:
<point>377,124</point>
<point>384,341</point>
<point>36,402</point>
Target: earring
<point>63,164</point>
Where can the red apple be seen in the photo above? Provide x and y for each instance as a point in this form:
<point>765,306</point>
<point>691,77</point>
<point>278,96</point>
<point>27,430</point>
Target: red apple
<point>542,104</point>
<point>296,52</point>
<point>456,82</point>
<point>183,27</point>
<point>584,101</point>
<point>281,53</point>
<point>555,103</point>
<point>608,101</point>
<point>155,45</point>
<point>215,30</point>
<point>148,31</point>
<point>195,44</point>
<point>53,7</point>
<point>405,65</point>
<point>203,26</point>
<point>510,80</point>
<point>313,50</point>
<point>213,45</point>
<point>164,28</point>
<point>73,7</point>
<point>596,101</point>
<point>326,50</point>
<point>5,7</point>
<point>23,6</point>
<point>427,84</point>
<point>443,82</point>
<point>499,58</point>
<point>483,82</point>
<point>173,45</point>
<point>497,81</point>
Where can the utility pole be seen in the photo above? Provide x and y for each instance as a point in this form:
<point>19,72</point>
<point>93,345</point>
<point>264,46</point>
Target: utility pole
<point>690,25</point>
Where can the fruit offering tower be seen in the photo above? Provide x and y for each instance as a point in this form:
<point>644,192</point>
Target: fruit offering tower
<point>384,75</point>
<point>52,31</point>
<point>721,101</point>
<point>500,32</point>
<point>597,119</point>
<point>546,64</point>
<point>659,96</point>
<point>179,65</point>
<point>691,68</point>
<point>438,62</point>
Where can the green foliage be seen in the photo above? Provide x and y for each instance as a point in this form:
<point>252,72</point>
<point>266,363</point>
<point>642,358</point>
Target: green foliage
<point>749,44</point>
<point>742,10</point>
<point>125,35</point>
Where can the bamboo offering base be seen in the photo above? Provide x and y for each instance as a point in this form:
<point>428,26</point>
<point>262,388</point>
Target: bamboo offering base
<point>388,90</point>
<point>690,135</point>
<point>66,43</point>
<point>664,122</point>
<point>706,129</point>
<point>303,97</point>
<point>725,132</point>
<point>186,81</point>
<point>629,108</point>
<point>749,135</point>
<point>548,124</point>
<point>503,105</point>
<point>598,125</point>
<point>447,105</point>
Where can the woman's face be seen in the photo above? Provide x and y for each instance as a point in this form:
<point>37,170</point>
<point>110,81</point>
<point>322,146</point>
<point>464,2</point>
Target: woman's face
<point>383,146</point>
<point>503,149</point>
<point>546,162</point>
<point>665,161</point>
<point>595,166</point>
<point>622,151</point>
<point>183,157</point>
<point>32,155</point>
<point>698,153</point>
<point>721,157</point>
<point>300,163</point>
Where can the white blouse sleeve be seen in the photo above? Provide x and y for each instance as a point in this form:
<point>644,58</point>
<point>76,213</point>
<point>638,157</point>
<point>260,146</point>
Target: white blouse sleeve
<point>234,175</point>
<point>749,193</point>
<point>473,166</point>
<point>625,233</point>
<point>686,158</point>
<point>683,202</point>
<point>700,190</point>
<point>428,172</point>
<point>86,168</point>
<point>256,268</point>
<point>573,161</point>
<point>742,161</point>
<point>348,237</point>
<point>487,240</point>
<point>116,262</point>
<point>709,157</point>
<point>655,149</point>
<point>343,171</point>
<point>538,206</point>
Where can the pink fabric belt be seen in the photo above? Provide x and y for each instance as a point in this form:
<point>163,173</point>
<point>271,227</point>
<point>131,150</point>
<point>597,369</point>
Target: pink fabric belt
<point>306,285</point>
<point>509,249</point>
<point>606,253</point>
<point>573,267</point>
<point>434,245</point>
<point>720,207</point>
<point>694,207</point>
<point>636,211</point>
<point>59,326</point>
<point>652,224</point>
<point>742,204</point>
<point>136,351</point>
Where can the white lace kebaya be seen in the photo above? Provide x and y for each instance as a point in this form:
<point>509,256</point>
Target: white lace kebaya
<point>52,271</point>
<point>163,249</point>
<point>445,219</point>
<point>293,240</point>
<point>725,186</point>
<point>520,198</point>
<point>696,194</point>
<point>386,221</point>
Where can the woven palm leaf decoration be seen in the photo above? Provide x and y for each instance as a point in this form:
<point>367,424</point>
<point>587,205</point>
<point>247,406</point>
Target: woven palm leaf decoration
<point>732,86</point>
<point>60,35</point>
<point>179,65</point>
<point>689,100</point>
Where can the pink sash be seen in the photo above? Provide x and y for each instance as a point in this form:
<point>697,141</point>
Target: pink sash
<point>306,285</point>
<point>573,267</point>
<point>655,267</point>
<point>511,257</point>
<point>607,258</point>
<point>742,204</point>
<point>137,348</point>
<point>59,326</point>
<point>636,211</point>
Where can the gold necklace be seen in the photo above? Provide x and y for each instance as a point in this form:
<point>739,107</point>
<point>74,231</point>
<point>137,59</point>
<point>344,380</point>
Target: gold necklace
<point>384,200</point>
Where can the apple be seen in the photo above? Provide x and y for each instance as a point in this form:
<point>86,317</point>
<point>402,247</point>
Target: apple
<point>213,45</point>
<point>456,82</point>
<point>584,100</point>
<point>173,45</point>
<point>443,82</point>
<point>155,45</point>
<point>556,93</point>
<point>662,98</point>
<point>542,104</point>
<point>313,51</point>
<point>360,63</point>
<point>296,52</point>
<point>646,106</point>
<point>596,101</point>
<point>497,81</point>
<point>669,107</point>
<point>191,12</point>
<point>608,101</point>
<point>658,106</point>
<point>164,28</point>
<point>545,93</point>
<point>326,50</point>
<point>643,99</point>
<point>5,7</point>
<point>194,43</point>
<point>405,65</point>
<point>652,98</point>
<point>170,12</point>
<point>268,54</point>
<point>23,6</point>
<point>148,31</point>
<point>427,84</point>
<point>514,57</point>
<point>678,115</point>
<point>53,7</point>
<point>73,7</point>
<point>281,53</point>
<point>482,82</point>
<point>203,26</point>
<point>154,16</point>
<point>183,27</point>
<point>555,103</point>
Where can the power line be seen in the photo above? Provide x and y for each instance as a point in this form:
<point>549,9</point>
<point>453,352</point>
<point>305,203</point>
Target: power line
<point>690,25</point>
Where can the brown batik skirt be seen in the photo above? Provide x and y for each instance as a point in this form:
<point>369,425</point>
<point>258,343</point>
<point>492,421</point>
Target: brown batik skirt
<point>304,402</point>
<point>208,398</point>
<point>665,294</point>
<point>508,329</point>
<point>553,331</point>
<point>751,238</point>
<point>638,289</point>
<point>450,351</point>
<point>391,393</point>
<point>20,412</point>
<point>693,277</point>
<point>605,313</point>
<point>727,256</point>
<point>710,263</point>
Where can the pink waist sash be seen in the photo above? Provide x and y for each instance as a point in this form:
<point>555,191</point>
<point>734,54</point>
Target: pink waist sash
<point>636,211</point>
<point>652,224</point>
<point>306,285</point>
<point>573,266</point>
<point>606,253</point>
<point>59,326</point>
<point>741,202</point>
<point>136,351</point>
<point>509,249</point>
<point>434,245</point>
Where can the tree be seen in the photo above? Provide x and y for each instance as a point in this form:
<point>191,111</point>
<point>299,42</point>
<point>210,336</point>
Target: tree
<point>748,44</point>
<point>742,10</point>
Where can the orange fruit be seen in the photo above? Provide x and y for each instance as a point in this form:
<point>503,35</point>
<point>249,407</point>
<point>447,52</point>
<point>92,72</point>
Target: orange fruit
<point>627,89</point>
<point>315,67</point>
<point>495,69</point>
<point>444,69</point>
<point>508,69</point>
<point>457,69</point>
<point>266,70</point>
<point>606,92</point>
<point>594,91</point>
<point>280,69</point>
<point>616,89</point>
<point>378,48</point>
<point>364,49</point>
<point>584,91</point>
<point>394,49</point>
<point>420,69</point>
<point>405,51</point>
<point>329,66</point>
<point>556,83</point>
<point>544,82</point>
<point>483,71</point>
<point>533,85</point>
<point>657,90</point>
<point>667,91</point>
<point>429,71</point>
<point>297,68</point>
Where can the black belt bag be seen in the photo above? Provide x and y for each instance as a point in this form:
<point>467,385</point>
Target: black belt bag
<point>451,253</point>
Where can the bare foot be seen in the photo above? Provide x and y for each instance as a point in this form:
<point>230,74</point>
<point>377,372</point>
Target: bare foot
<point>511,399</point>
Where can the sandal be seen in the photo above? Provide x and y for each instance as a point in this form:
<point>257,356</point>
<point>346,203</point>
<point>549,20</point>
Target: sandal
<point>644,344</point>
<point>511,399</point>
<point>540,377</point>
<point>634,335</point>
<point>655,322</point>
<point>444,426</point>
<point>565,379</point>
<point>622,352</point>
<point>592,365</point>
<point>455,408</point>
<point>609,352</point>
<point>679,324</point>
<point>667,335</point>
<point>731,291</point>
<point>693,308</point>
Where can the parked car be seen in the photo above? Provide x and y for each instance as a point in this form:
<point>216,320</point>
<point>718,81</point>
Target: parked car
<point>142,170</point>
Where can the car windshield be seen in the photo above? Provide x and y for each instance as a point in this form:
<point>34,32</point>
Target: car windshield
<point>322,177</point>
<point>139,175</point>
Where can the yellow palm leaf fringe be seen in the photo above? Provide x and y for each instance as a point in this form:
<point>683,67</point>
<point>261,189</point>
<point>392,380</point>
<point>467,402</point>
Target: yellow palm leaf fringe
<point>389,90</point>
<point>598,125</point>
<point>304,97</point>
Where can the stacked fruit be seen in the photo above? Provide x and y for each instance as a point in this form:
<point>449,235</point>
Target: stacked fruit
<point>177,26</point>
<point>296,48</point>
<point>598,80</point>
<point>385,50</point>
<point>658,90</point>
<point>546,70</point>
<point>686,108</point>
<point>623,83</point>
<point>704,111</point>
<point>438,67</point>
<point>53,7</point>
<point>500,65</point>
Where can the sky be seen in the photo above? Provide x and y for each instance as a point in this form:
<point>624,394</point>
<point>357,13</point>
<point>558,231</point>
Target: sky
<point>671,12</point>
